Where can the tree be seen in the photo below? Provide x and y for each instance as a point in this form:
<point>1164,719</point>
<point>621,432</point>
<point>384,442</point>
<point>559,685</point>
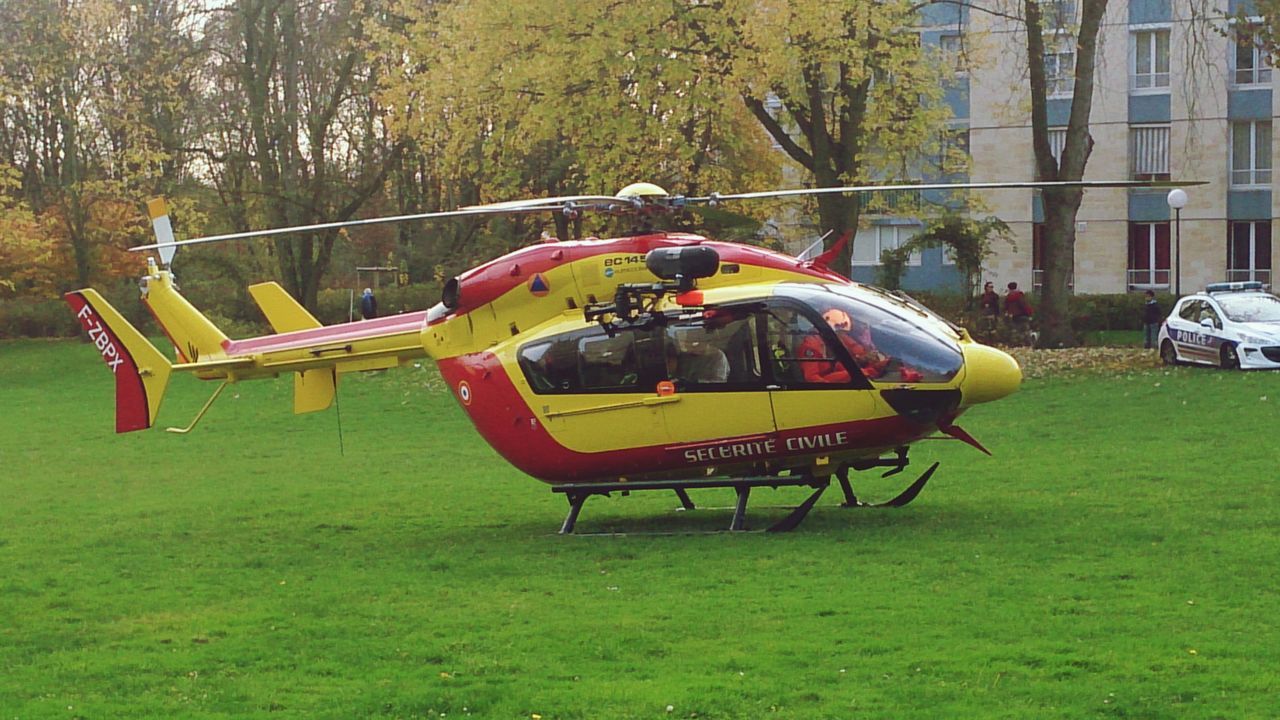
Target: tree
<point>71,129</point>
<point>844,88</point>
<point>522,106</point>
<point>966,239</point>
<point>24,253</point>
<point>296,123</point>
<point>1061,205</point>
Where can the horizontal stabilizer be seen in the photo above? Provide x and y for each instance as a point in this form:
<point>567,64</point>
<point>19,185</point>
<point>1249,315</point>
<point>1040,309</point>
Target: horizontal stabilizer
<point>141,371</point>
<point>283,312</point>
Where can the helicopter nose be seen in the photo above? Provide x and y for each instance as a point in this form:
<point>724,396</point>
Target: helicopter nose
<point>989,374</point>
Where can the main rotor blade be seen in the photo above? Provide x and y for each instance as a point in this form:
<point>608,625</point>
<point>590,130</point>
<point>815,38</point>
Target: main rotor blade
<point>551,203</point>
<point>849,189</point>
<point>465,212</point>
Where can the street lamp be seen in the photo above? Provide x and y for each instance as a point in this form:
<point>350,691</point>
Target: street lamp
<point>1177,200</point>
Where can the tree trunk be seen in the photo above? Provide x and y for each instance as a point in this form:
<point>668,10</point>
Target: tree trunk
<point>837,214</point>
<point>1061,206</point>
<point>1058,255</point>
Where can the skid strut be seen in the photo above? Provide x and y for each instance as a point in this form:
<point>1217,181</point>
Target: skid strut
<point>904,497</point>
<point>577,494</point>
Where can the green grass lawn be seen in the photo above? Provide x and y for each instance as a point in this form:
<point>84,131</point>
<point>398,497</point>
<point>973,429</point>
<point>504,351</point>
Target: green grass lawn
<point>1117,557</point>
<point>1114,338</point>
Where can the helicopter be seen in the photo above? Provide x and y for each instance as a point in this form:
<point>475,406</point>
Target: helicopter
<point>652,361</point>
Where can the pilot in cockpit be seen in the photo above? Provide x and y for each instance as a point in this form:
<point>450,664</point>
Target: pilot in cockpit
<point>817,362</point>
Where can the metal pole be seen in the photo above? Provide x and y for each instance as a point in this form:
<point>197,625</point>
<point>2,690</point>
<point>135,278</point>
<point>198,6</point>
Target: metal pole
<point>1177,234</point>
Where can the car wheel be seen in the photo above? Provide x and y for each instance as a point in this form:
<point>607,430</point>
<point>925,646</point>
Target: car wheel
<point>1230,359</point>
<point>1168,355</point>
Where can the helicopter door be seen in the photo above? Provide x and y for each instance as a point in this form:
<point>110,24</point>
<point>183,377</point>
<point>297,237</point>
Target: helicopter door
<point>714,361</point>
<point>814,388</point>
<point>594,390</point>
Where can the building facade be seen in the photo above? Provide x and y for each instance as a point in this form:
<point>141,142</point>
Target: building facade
<point>1175,96</point>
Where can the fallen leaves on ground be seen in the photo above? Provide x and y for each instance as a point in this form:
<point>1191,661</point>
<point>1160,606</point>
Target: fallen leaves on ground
<point>1083,360</point>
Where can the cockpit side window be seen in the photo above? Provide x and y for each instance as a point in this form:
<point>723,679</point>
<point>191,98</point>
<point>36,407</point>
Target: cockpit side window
<point>802,353</point>
<point>885,346</point>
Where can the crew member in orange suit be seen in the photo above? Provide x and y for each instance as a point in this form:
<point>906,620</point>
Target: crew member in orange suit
<point>820,367</point>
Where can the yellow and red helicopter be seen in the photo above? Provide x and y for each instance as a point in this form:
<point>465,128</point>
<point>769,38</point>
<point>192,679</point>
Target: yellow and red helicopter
<point>658,360</point>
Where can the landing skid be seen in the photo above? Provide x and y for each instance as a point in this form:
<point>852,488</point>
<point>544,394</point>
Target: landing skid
<point>896,465</point>
<point>577,494</point>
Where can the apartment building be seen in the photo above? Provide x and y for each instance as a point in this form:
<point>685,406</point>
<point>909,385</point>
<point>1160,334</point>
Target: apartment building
<point>1175,97</point>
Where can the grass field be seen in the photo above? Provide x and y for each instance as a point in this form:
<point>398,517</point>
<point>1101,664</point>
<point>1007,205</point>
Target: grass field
<point>1117,557</point>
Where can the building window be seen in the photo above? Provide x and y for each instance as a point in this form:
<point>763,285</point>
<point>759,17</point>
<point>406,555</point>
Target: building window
<point>1149,259</point>
<point>773,106</point>
<point>1037,256</point>
<point>1149,152</point>
<point>1249,251</point>
<point>1057,14</point>
<point>1250,65</point>
<point>868,244</point>
<point>1056,142</point>
<point>1150,60</point>
<point>1060,65</point>
<point>1037,260</point>
<point>953,150</point>
<point>952,48</point>
<point>1251,153</point>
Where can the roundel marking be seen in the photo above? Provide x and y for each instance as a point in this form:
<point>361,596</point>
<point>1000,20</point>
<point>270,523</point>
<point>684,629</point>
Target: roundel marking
<point>608,272</point>
<point>538,285</point>
<point>464,392</point>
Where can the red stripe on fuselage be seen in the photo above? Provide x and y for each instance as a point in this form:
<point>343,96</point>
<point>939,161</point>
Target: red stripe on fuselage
<point>507,422</point>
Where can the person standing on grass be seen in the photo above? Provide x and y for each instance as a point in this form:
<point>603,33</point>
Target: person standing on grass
<point>1018,310</point>
<point>1151,319</point>
<point>989,310</point>
<point>368,305</point>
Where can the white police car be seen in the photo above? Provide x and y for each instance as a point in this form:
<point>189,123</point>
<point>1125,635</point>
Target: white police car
<point>1231,325</point>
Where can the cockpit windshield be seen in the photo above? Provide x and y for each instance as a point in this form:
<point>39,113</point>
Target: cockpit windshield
<point>899,347</point>
<point>1250,308</point>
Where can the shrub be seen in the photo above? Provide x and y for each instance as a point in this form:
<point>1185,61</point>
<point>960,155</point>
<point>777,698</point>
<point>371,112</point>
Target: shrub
<point>1121,311</point>
<point>36,317</point>
<point>1089,313</point>
<point>337,304</point>
<point>52,317</point>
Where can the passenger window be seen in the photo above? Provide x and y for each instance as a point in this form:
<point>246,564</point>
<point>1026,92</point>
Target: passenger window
<point>551,366</point>
<point>716,351</point>
<point>592,361</point>
<point>1190,311</point>
<point>608,362</point>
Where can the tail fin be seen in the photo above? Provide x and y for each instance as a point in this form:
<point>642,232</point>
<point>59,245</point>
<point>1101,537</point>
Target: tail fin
<point>192,334</point>
<point>141,371</point>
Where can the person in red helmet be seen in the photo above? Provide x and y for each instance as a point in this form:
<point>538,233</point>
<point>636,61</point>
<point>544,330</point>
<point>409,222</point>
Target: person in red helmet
<point>816,361</point>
